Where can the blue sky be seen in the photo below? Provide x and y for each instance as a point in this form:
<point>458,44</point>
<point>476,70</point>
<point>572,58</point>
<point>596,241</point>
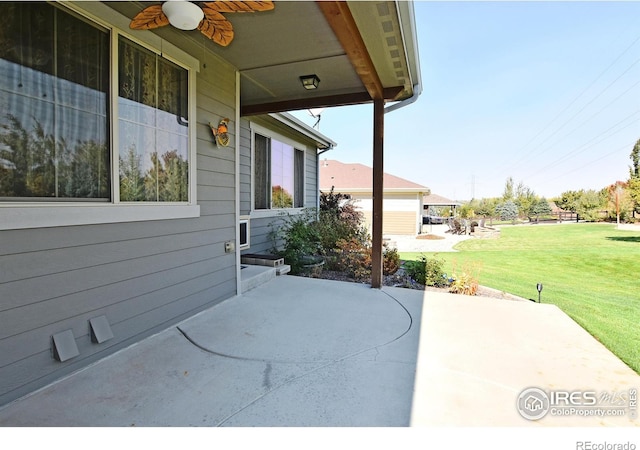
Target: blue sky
<point>545,92</point>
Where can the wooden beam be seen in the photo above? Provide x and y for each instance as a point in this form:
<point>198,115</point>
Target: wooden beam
<point>306,103</point>
<point>328,101</point>
<point>378,193</point>
<point>341,21</point>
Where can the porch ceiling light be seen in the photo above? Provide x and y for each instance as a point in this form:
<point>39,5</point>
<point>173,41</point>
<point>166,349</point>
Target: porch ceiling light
<point>183,14</point>
<point>310,82</point>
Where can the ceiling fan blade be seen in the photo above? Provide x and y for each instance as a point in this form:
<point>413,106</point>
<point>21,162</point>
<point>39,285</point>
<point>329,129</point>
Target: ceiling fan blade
<point>216,27</point>
<point>149,18</point>
<point>230,6</point>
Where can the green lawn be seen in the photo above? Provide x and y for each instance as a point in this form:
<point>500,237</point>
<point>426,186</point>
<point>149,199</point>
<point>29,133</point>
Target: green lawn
<point>590,271</point>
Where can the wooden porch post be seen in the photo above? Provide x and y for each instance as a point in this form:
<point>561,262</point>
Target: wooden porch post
<point>339,17</point>
<point>378,189</point>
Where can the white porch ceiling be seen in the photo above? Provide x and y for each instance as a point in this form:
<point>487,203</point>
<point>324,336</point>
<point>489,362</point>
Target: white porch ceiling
<point>272,49</point>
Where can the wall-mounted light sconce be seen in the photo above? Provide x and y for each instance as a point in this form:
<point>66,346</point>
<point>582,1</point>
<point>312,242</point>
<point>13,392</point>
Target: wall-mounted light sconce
<point>310,82</point>
<point>183,14</point>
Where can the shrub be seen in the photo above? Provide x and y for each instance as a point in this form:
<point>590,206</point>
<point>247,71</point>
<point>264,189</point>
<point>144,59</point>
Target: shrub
<point>339,219</point>
<point>390,260</point>
<point>354,258</point>
<point>427,272</point>
<point>464,284</point>
<point>295,238</point>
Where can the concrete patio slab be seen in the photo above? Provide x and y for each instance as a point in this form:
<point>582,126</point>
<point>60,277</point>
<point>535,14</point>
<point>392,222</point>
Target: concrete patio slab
<point>300,352</point>
<point>292,352</point>
<point>478,354</point>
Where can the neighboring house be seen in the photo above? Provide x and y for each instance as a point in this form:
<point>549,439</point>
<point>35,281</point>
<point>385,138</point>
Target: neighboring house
<point>434,203</point>
<point>120,214</point>
<point>402,199</point>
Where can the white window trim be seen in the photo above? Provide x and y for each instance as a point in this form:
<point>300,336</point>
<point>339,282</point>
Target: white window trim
<point>297,146</point>
<point>26,215</point>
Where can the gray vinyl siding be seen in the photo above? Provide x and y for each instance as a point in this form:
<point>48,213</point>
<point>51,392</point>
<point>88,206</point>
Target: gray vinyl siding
<point>312,190</point>
<point>260,240</point>
<point>245,169</point>
<point>143,276</point>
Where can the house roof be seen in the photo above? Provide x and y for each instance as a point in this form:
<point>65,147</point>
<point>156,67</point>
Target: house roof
<point>438,200</point>
<point>355,177</point>
<point>360,50</point>
<point>322,141</point>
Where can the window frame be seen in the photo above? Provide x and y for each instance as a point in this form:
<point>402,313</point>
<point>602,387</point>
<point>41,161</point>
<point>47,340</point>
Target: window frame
<point>297,147</point>
<point>35,214</point>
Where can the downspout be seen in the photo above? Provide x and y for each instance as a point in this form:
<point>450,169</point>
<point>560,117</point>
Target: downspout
<point>237,187</point>
<point>417,90</point>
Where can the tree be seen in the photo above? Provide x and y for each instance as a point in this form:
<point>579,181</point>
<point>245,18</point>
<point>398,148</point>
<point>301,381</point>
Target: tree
<point>27,160</point>
<point>174,186</point>
<point>467,211</point>
<point>525,199</point>
<point>281,198</point>
<point>508,193</point>
<point>541,208</point>
<point>619,202</point>
<point>507,210</point>
<point>589,204</point>
<point>634,171</point>
<point>633,186</point>
<point>568,200</point>
<point>633,189</point>
<point>487,207</point>
<point>87,172</point>
<point>131,181</point>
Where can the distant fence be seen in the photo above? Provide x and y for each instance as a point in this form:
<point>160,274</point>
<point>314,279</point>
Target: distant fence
<point>562,216</point>
<point>565,216</point>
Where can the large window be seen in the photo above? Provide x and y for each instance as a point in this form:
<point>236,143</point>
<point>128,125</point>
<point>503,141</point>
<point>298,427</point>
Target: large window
<point>57,113</point>
<point>153,126</point>
<point>54,84</point>
<point>278,174</point>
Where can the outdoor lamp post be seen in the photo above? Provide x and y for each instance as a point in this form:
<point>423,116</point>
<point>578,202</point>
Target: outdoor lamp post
<point>539,288</point>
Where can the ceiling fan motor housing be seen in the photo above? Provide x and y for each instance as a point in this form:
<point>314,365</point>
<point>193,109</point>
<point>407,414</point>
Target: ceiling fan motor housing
<point>183,14</point>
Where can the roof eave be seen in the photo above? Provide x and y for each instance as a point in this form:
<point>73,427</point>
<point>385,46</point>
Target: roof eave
<point>322,141</point>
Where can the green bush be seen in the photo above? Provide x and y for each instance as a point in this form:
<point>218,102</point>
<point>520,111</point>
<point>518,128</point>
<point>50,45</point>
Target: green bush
<point>295,238</point>
<point>427,271</point>
<point>339,219</point>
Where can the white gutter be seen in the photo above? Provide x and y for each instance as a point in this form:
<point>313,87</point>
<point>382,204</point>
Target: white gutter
<point>415,79</point>
<point>417,89</point>
<point>323,142</point>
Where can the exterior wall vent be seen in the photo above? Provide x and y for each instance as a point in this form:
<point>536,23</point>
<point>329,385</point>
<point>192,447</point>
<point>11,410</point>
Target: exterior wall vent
<point>100,329</point>
<point>64,346</point>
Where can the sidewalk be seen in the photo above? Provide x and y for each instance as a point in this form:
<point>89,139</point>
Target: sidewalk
<point>447,241</point>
